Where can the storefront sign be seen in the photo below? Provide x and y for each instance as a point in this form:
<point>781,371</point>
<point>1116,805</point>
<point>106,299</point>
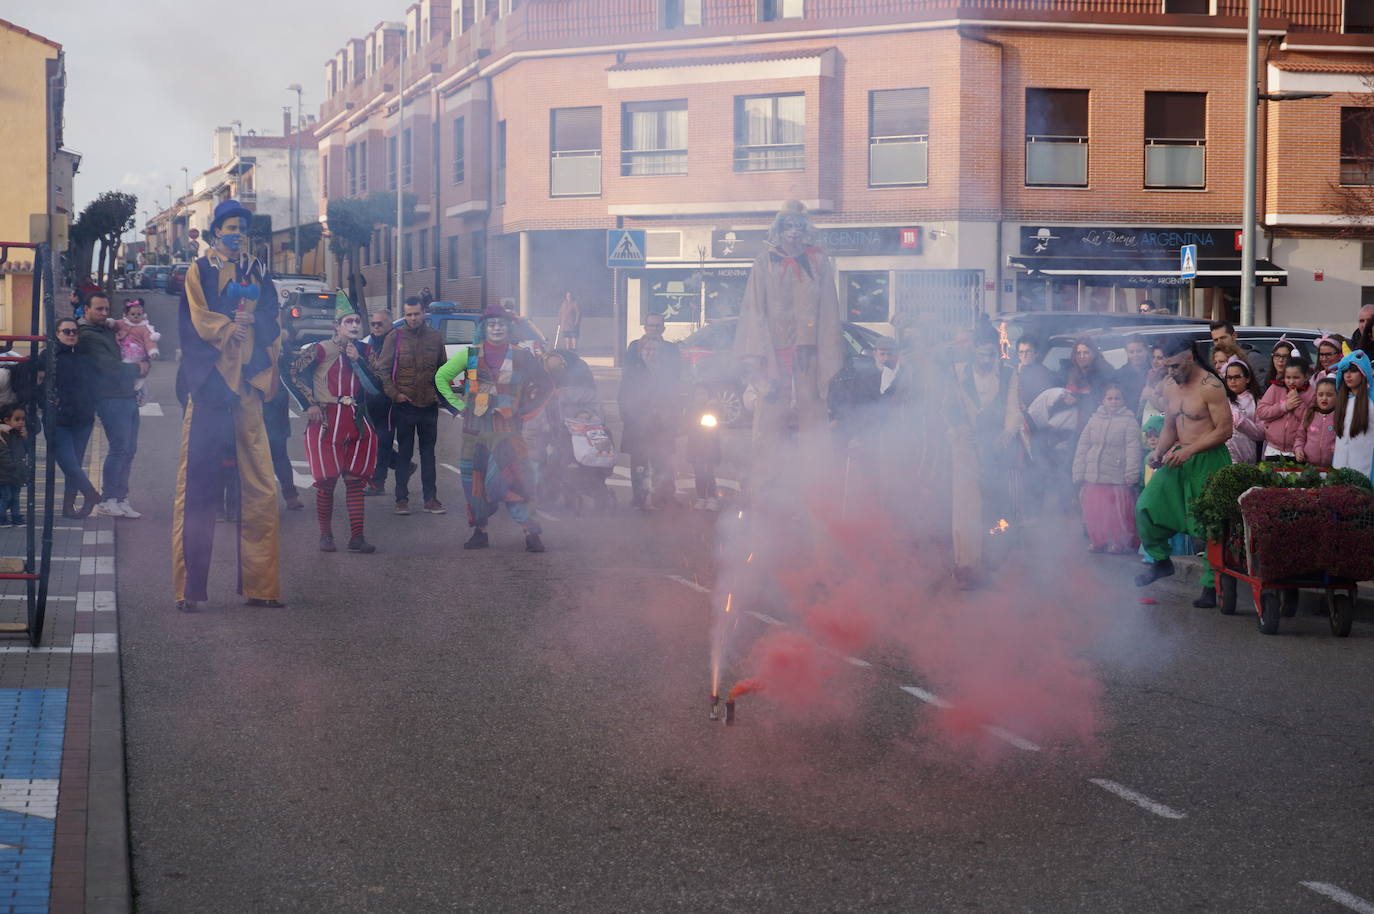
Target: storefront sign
<point>1102,241</point>
<point>857,241</point>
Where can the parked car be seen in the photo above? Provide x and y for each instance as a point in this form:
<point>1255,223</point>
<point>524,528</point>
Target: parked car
<point>176,279</point>
<point>287,283</point>
<point>308,316</point>
<point>460,328</point>
<point>155,277</point>
<point>708,357</point>
<point>1044,325</point>
<point>1112,342</point>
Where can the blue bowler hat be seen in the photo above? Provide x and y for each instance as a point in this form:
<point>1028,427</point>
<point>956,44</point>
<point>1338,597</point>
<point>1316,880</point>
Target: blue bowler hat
<point>227,209</point>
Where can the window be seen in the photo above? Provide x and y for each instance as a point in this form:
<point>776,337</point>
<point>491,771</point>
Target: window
<point>1367,255</point>
<point>1057,137</point>
<point>500,164</point>
<point>1357,146</point>
<point>1175,139</point>
<point>1196,7</point>
<point>479,252</point>
<point>770,10</point>
<point>453,241</point>
<point>575,152</point>
<point>391,163</point>
<point>459,146</point>
<point>1359,17</point>
<point>866,296</point>
<point>407,157</point>
<point>770,132</point>
<point>674,14</point>
<point>351,167</point>
<point>898,136</point>
<point>324,176</point>
<point>1366,295</point>
<point>408,252</point>
<point>655,138</point>
<point>424,249</point>
<point>362,166</point>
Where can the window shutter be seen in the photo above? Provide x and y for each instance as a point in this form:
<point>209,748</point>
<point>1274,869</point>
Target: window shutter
<point>900,112</point>
<point>1176,115</point>
<point>576,129</point>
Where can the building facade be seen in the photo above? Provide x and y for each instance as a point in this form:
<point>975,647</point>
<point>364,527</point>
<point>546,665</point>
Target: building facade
<point>958,157</point>
<point>37,171</point>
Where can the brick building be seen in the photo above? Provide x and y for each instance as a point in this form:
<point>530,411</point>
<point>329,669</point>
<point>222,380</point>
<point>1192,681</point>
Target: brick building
<point>985,154</point>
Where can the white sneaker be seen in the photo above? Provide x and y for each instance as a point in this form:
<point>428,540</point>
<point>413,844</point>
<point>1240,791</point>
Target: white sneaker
<point>127,510</point>
<point>109,508</point>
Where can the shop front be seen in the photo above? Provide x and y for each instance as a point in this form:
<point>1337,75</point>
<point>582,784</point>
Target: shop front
<point>1125,270</point>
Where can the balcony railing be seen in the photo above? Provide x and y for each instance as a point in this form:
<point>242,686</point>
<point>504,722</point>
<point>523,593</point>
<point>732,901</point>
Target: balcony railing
<point>647,162</point>
<point>894,160</point>
<point>575,173</point>
<point>1357,171</point>
<point>1057,161</point>
<point>1173,163</point>
<point>770,157</point>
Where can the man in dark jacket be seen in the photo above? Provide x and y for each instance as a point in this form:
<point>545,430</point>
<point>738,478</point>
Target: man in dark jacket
<point>410,356</point>
<point>379,409</point>
<point>116,403</point>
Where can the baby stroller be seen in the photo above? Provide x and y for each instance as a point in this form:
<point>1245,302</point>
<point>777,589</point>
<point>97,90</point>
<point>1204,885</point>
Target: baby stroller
<point>578,452</point>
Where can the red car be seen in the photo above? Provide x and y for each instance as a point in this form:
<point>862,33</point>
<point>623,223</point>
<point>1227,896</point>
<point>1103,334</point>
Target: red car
<point>176,281</point>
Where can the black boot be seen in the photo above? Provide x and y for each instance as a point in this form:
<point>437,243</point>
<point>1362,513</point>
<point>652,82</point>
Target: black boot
<point>533,543</point>
<point>1207,600</point>
<point>327,543</point>
<point>90,498</point>
<point>358,544</point>
<point>69,505</point>
<point>1161,569</point>
<point>478,540</point>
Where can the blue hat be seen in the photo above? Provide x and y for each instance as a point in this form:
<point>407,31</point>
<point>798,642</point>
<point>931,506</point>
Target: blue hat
<point>227,209</point>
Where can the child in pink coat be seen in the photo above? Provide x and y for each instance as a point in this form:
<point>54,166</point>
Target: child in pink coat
<point>1107,464</point>
<point>1282,410</point>
<point>1316,441</point>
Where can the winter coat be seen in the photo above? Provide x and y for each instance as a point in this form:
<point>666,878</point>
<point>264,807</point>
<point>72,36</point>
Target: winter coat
<point>1109,450</point>
<point>1281,425</point>
<point>75,382</point>
<point>14,468</point>
<point>114,377</point>
<point>408,361</point>
<point>1246,431</point>
<point>650,405</point>
<point>1317,438</point>
<point>1357,453</point>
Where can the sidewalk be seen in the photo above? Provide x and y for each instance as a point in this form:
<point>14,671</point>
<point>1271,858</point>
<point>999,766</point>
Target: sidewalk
<point>63,828</point>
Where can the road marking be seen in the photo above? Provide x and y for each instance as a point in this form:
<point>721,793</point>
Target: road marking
<point>544,515</point>
<point>451,468</point>
<point>1140,800</point>
<point>1017,741</point>
<point>293,414</point>
<point>929,698</point>
<point>24,596</point>
<point>150,409</point>
<point>764,617</point>
<point>1340,896</point>
<point>857,661</point>
<point>97,564</point>
<point>686,583</point>
<point>302,481</point>
<point>100,601</point>
<point>55,558</point>
<point>97,537</point>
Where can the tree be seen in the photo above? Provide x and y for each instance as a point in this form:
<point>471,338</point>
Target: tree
<point>352,222</point>
<point>1353,190</point>
<point>103,222</point>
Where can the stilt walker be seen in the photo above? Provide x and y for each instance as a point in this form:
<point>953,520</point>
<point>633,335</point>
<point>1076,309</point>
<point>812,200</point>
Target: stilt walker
<point>330,379</point>
<point>230,341</point>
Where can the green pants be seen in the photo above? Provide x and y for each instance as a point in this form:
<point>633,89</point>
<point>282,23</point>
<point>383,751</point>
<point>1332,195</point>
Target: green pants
<point>1162,509</point>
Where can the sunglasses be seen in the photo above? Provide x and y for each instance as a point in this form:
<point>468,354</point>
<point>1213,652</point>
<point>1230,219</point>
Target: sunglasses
<point>67,332</point>
<point>379,323</point>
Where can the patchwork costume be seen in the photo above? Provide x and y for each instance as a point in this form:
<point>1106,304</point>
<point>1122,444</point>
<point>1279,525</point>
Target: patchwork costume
<point>498,388</point>
<point>344,443</point>
<point>227,381</point>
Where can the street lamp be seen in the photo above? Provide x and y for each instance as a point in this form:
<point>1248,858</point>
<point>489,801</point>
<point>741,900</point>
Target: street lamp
<point>295,152</point>
<point>186,178</point>
<point>1253,96</point>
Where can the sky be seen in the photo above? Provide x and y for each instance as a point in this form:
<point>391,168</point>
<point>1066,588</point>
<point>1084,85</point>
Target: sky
<point>147,84</point>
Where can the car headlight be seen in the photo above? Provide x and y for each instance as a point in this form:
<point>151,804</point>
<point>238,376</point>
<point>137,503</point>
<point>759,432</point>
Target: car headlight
<point>708,420</point>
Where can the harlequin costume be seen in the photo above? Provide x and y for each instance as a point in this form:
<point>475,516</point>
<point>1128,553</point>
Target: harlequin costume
<point>498,388</point>
<point>222,431</point>
<point>344,443</point>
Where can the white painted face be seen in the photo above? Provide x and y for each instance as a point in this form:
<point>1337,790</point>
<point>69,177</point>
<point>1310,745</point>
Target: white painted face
<point>497,330</point>
<point>351,327</point>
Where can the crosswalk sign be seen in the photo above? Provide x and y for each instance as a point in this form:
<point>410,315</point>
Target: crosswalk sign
<point>624,247</point>
<point>1187,261</point>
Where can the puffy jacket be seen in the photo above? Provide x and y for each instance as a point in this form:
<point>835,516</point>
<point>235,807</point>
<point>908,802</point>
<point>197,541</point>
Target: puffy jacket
<point>1246,431</point>
<point>14,468</point>
<point>1281,424</point>
<point>1317,438</point>
<point>75,382</point>
<point>408,361</point>
<point>1109,450</point>
<point>114,377</point>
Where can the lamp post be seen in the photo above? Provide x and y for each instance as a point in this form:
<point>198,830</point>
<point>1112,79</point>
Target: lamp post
<point>400,174</point>
<point>1253,96</point>
<point>296,175</point>
<point>186,178</point>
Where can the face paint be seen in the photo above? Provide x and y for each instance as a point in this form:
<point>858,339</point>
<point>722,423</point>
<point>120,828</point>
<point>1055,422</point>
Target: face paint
<point>496,330</point>
<point>351,327</point>
<point>231,241</point>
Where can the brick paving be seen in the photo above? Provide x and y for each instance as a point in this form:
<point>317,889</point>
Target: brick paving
<point>63,829</point>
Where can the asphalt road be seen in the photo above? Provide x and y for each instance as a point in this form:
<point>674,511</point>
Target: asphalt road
<point>426,729</point>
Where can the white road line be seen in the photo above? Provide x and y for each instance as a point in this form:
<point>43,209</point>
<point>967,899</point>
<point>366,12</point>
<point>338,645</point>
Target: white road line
<point>764,617</point>
<point>857,661</point>
<point>686,583</point>
<point>1139,799</point>
<point>1017,741</point>
<point>624,483</point>
<point>929,698</point>
<point>1340,896</point>
<point>150,409</point>
<point>544,515</point>
<point>451,468</point>
<point>94,601</point>
<point>293,414</point>
<point>302,481</point>
<point>301,464</point>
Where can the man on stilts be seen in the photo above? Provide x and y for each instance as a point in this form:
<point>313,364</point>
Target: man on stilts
<point>501,387</point>
<point>330,379</point>
<point>230,340</point>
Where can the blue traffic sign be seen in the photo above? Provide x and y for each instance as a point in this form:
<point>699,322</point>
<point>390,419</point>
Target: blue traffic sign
<point>1187,261</point>
<point>624,247</point>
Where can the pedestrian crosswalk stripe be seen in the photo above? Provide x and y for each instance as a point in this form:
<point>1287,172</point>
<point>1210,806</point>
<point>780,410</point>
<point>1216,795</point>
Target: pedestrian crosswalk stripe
<point>150,409</point>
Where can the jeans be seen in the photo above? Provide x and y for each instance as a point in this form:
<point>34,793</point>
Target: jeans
<point>119,418</point>
<point>69,450</point>
<point>276,419</point>
<point>412,422</point>
<point>9,504</point>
